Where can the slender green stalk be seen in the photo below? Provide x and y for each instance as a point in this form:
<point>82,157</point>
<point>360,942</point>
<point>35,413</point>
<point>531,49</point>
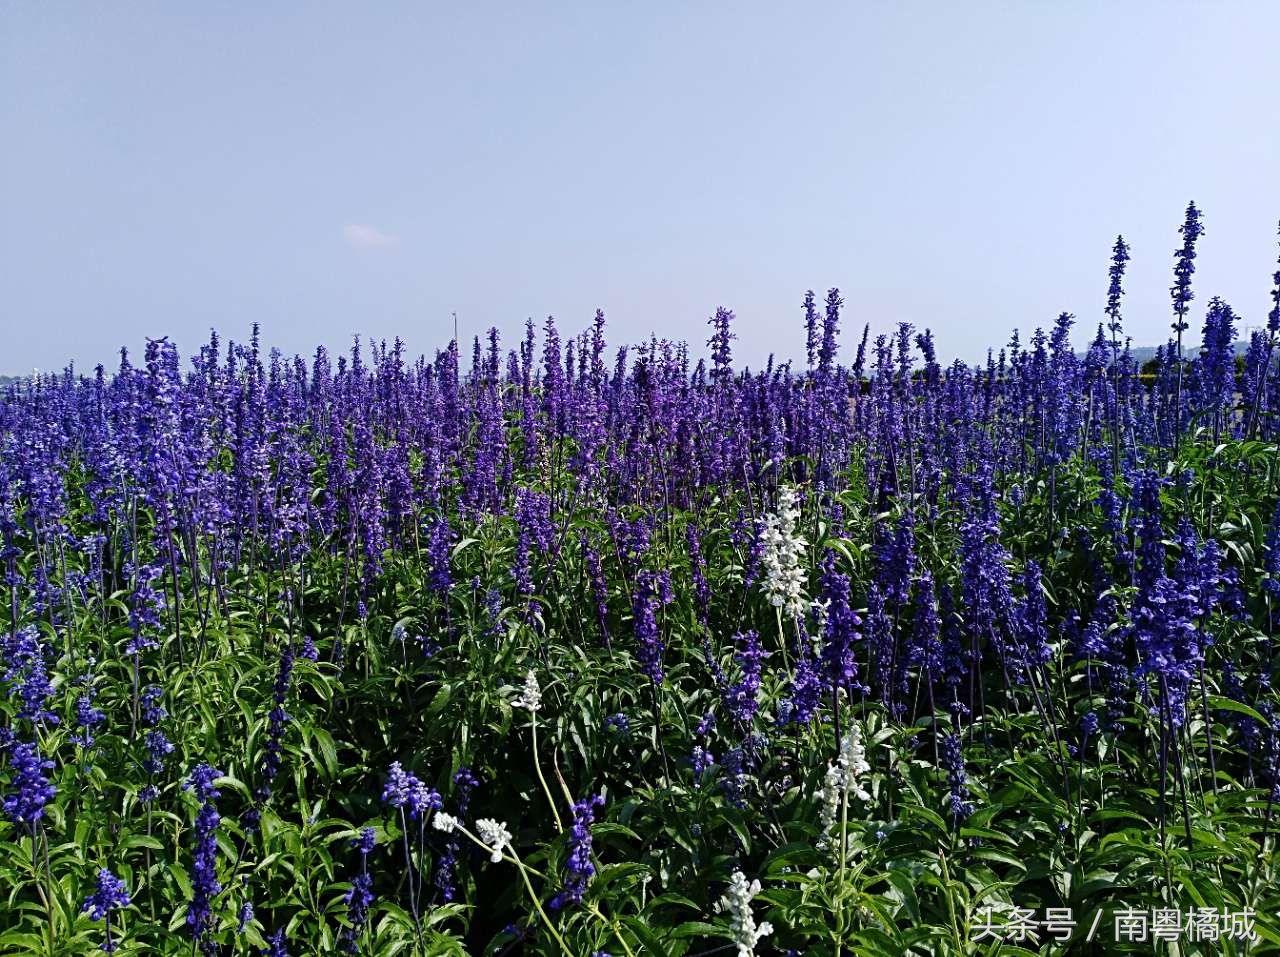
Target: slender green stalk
<point>537,764</point>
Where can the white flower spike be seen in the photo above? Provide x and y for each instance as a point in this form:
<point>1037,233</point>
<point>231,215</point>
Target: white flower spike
<point>784,547</point>
<point>495,836</point>
<point>530,696</point>
<point>841,780</point>
<point>737,904</point>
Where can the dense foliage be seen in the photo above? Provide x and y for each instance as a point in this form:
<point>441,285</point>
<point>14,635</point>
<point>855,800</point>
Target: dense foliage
<point>571,653</point>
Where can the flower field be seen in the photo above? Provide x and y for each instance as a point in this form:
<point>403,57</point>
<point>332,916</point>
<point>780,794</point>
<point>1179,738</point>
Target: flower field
<point>573,649</point>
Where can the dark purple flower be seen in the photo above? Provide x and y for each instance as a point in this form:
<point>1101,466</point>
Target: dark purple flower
<point>27,672</point>
<point>87,718</point>
<point>701,759</point>
<point>806,692</point>
<point>720,343</point>
<point>648,598</point>
<point>109,895</point>
<point>952,760</point>
<point>740,698</point>
<point>395,791</point>
<point>408,793</point>
<point>158,747</point>
<point>438,554</point>
<point>29,789</point>
<point>1184,267</point>
<point>579,868</point>
<point>205,886</point>
<point>465,782</point>
<point>1088,727</point>
<point>360,896</point>
<point>366,842</point>
<point>277,722</point>
<point>840,628</point>
<point>1217,363</point>
<point>276,945</point>
<point>152,711</point>
<point>534,532</point>
<point>146,604</point>
<point>1115,289</point>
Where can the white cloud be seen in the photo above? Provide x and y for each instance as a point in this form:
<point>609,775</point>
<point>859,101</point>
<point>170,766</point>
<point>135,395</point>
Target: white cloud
<point>366,236</point>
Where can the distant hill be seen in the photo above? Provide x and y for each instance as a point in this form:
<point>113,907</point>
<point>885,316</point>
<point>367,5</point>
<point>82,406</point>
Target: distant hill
<point>1143,354</point>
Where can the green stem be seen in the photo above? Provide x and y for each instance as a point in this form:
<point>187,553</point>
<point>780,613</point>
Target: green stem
<point>612,922</point>
<point>537,904</point>
<point>537,766</point>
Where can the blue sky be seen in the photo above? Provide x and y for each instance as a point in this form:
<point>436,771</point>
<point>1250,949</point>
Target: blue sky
<point>334,169</point>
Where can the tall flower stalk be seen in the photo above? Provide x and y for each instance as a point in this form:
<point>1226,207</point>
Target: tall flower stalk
<point>1184,267</point>
<point>530,699</point>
